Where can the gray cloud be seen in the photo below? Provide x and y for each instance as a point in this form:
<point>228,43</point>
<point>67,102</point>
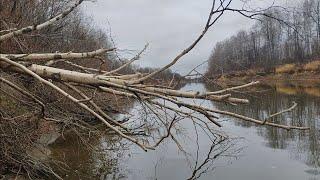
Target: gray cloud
<point>168,25</point>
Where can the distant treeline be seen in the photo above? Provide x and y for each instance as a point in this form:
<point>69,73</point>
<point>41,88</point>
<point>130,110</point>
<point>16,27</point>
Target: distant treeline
<point>270,42</point>
<point>76,33</point>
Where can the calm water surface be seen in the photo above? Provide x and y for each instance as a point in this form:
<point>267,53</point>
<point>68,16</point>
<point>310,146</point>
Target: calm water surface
<point>252,152</point>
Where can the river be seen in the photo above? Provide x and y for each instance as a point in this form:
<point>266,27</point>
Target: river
<point>251,152</point>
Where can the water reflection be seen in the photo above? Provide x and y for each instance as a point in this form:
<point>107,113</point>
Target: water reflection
<point>99,161</point>
<point>303,146</point>
<point>82,154</point>
<point>190,153</point>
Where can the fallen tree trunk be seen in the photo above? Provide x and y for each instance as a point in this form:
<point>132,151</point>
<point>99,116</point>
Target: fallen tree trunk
<point>67,95</point>
<point>163,103</point>
<point>55,56</point>
<point>62,75</point>
<point>102,80</point>
<point>153,97</point>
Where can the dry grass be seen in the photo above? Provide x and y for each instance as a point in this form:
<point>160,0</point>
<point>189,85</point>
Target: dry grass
<point>313,91</point>
<point>312,66</point>
<point>287,90</point>
<point>286,68</point>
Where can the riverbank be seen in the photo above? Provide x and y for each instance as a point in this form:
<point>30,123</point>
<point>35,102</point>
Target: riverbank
<point>270,78</point>
<point>308,73</point>
<point>33,138</point>
<point>26,139</point>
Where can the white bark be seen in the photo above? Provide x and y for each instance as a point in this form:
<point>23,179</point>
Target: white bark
<point>64,93</point>
<point>54,56</point>
<point>130,86</point>
<point>93,79</point>
<point>29,29</point>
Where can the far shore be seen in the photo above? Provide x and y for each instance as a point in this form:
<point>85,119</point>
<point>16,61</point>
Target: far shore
<point>307,74</point>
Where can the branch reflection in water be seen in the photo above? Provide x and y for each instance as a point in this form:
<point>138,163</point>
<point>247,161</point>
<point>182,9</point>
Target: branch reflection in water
<point>191,150</point>
<point>188,144</point>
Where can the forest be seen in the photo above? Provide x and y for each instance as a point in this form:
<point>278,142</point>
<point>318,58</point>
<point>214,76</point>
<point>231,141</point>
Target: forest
<point>291,35</point>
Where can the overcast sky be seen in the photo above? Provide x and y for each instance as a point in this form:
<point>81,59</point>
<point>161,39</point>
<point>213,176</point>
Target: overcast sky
<point>169,26</point>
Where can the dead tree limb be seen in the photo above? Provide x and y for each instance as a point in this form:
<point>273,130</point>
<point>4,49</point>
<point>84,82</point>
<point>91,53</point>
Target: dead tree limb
<point>130,85</point>
<point>128,63</point>
<point>85,107</point>
<point>24,93</point>
<point>96,107</point>
<point>281,112</point>
<point>29,29</point>
<point>55,56</point>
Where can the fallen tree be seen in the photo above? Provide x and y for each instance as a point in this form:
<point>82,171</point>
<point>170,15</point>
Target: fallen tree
<point>155,98</point>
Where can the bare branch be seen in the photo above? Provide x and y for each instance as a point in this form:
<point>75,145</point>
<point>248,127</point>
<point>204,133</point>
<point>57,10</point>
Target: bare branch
<point>85,107</point>
<point>24,93</point>
<point>55,56</point>
<point>281,112</point>
<point>129,62</point>
<point>40,26</point>
<point>233,88</point>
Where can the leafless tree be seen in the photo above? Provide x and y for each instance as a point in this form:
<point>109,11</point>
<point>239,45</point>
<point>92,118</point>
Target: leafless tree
<point>289,36</point>
<point>80,83</point>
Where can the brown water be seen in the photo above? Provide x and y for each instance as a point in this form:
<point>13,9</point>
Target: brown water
<point>252,152</point>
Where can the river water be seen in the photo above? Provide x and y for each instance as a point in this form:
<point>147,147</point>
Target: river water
<point>251,152</point>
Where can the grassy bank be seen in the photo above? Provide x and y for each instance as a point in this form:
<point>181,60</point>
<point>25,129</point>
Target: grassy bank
<point>288,72</point>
